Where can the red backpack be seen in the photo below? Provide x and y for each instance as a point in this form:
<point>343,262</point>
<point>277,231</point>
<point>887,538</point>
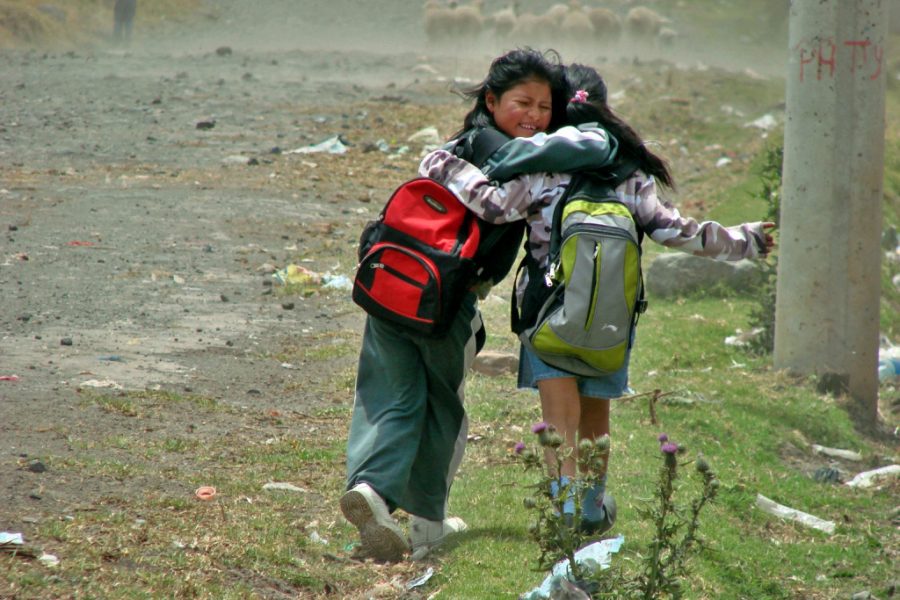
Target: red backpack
<point>426,250</point>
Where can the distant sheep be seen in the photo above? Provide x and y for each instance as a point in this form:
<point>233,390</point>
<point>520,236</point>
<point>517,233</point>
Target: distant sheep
<point>607,24</point>
<point>503,21</point>
<point>576,26</point>
<point>556,13</point>
<point>468,20</point>
<point>533,29</point>
<point>452,22</point>
<point>643,23</point>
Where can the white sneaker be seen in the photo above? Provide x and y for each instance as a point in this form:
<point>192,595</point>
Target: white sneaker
<point>425,535</point>
<point>379,534</point>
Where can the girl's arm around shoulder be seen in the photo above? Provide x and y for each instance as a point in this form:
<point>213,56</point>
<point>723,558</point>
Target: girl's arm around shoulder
<point>493,203</point>
<point>666,226</point>
<point>568,149</point>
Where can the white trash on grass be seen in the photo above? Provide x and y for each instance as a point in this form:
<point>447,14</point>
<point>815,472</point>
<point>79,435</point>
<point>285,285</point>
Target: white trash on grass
<point>837,452</point>
<point>867,479</point>
<point>593,557</point>
<point>792,514</point>
<point>283,487</point>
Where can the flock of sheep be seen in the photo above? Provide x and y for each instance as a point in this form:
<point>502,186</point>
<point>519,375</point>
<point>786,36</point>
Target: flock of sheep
<point>563,25</point>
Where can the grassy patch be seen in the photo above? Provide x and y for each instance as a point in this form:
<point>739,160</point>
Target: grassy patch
<point>35,23</point>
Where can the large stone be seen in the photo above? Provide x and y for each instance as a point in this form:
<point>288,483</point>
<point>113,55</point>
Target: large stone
<point>494,364</point>
<point>674,274</point>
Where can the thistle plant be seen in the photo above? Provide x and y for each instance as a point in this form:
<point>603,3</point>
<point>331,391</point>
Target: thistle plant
<point>554,528</point>
<point>676,529</point>
<point>663,565</point>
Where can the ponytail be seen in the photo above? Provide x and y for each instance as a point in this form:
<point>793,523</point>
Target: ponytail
<point>588,104</point>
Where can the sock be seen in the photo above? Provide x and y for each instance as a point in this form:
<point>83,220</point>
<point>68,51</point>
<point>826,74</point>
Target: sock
<point>569,504</point>
<point>592,501</point>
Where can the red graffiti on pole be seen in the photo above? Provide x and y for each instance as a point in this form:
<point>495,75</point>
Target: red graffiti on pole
<point>826,56</point>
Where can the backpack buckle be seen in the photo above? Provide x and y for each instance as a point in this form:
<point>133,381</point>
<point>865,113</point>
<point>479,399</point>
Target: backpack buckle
<point>550,275</point>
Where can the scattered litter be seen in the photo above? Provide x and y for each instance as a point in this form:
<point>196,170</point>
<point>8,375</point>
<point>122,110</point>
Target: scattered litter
<point>723,162</point>
<point>791,514</point>
<point>867,479</point>
<point>742,338</point>
<point>593,557</point>
<point>766,122</point>
<point>421,579</point>
<point>888,362</point>
<point>240,159</point>
<point>337,282</point>
<point>285,487</point>
<point>428,135</point>
<point>79,243</point>
<point>316,538</point>
<point>9,377</point>
<point>332,145</point>
<point>8,538</point>
<point>424,68</point>
<point>48,560</point>
<point>111,358</point>
<point>837,452</point>
<point>296,275</point>
<point>205,492</point>
<point>206,124</point>
<point>100,383</point>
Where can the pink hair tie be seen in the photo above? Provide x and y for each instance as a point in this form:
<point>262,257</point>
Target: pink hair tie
<point>580,97</point>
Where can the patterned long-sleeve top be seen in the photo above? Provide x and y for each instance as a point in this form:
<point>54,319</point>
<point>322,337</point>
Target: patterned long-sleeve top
<point>533,197</point>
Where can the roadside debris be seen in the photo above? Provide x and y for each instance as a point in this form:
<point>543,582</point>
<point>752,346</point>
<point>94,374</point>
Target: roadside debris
<point>421,579</point>
<point>301,276</point>
<point>791,514</point>
<point>593,557</point>
<point>837,453</point>
<point>333,145</point>
<point>867,479</point>
<point>283,487</point>
<point>205,492</point>
<point>100,383</point>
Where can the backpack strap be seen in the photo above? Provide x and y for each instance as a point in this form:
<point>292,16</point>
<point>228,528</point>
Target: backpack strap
<point>479,144</point>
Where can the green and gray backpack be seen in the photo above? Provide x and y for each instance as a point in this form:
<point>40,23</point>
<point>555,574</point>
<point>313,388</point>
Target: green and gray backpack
<point>579,314</point>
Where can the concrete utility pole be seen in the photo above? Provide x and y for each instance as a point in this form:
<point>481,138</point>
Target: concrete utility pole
<point>828,291</point>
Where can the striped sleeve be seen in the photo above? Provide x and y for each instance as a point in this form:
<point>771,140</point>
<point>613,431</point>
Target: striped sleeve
<point>666,226</point>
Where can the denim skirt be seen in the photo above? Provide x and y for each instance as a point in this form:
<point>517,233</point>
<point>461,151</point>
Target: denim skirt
<point>532,369</point>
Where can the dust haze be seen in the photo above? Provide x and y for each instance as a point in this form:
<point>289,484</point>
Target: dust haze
<point>323,30</point>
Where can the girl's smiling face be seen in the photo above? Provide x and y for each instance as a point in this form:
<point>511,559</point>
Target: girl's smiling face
<point>523,110</point>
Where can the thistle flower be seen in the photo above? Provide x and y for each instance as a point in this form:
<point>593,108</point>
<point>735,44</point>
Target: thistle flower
<point>538,427</point>
<point>669,448</point>
<point>553,440</point>
<point>585,445</point>
<point>663,438</point>
<point>519,448</point>
<point>602,443</point>
<point>702,465</point>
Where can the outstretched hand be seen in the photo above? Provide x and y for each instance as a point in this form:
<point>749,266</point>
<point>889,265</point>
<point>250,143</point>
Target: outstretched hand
<point>769,240</point>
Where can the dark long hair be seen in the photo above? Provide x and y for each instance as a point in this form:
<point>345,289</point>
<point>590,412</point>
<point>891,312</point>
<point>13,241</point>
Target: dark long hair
<point>596,109</point>
<point>511,69</point>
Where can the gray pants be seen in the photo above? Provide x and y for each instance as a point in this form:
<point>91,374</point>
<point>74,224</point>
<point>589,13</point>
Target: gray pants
<point>409,427</point>
<point>123,17</point>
